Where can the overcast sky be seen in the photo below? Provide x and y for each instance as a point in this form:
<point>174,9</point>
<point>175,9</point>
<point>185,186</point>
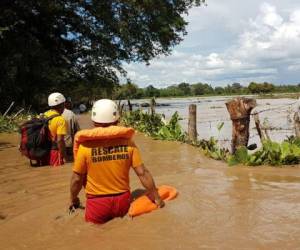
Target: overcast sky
<point>231,41</point>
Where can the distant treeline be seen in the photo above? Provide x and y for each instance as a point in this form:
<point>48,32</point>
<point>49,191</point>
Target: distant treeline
<point>132,91</point>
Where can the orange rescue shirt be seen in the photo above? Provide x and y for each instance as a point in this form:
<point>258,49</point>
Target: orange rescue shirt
<point>106,164</point>
<point>57,125</point>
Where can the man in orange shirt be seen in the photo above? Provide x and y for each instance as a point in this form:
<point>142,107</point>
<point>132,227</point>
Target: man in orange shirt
<point>58,129</point>
<point>102,167</point>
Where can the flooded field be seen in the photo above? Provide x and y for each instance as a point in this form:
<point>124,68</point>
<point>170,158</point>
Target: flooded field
<point>218,207</point>
<point>211,111</point>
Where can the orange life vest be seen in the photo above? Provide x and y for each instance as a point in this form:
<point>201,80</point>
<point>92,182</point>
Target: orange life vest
<point>101,133</point>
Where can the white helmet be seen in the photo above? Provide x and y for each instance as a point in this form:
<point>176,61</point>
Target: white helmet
<point>55,99</point>
<point>82,107</point>
<point>105,111</point>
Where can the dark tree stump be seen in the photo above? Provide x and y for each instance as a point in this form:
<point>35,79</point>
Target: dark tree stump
<point>240,110</point>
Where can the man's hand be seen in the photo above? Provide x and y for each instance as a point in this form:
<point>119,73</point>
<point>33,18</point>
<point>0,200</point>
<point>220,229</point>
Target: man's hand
<point>67,160</point>
<point>155,198</point>
<point>74,204</point>
<point>75,187</point>
<point>160,203</point>
<point>148,182</point>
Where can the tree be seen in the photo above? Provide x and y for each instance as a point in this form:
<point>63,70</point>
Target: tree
<point>257,88</point>
<point>126,91</point>
<point>151,91</point>
<point>219,90</point>
<point>236,87</point>
<point>171,91</point>
<point>267,87</point>
<point>202,89</point>
<point>46,45</point>
<point>185,88</point>
<point>253,88</point>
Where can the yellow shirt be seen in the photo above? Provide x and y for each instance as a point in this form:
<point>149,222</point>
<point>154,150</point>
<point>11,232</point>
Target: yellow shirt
<point>106,164</point>
<point>57,125</point>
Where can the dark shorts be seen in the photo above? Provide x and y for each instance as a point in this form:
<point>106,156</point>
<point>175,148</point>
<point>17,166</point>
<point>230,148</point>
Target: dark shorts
<point>104,208</point>
<point>69,153</point>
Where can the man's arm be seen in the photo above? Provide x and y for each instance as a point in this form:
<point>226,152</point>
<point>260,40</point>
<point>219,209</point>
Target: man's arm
<point>147,181</point>
<point>76,125</point>
<point>61,146</point>
<point>75,187</point>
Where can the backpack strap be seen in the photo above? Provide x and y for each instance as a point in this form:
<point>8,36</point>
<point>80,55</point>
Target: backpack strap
<point>54,144</point>
<point>51,117</point>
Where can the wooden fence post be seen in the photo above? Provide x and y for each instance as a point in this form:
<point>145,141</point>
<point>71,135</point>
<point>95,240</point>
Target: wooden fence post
<point>120,108</point>
<point>297,124</point>
<point>192,124</point>
<point>239,110</point>
<point>258,127</point>
<point>152,106</point>
<point>129,105</point>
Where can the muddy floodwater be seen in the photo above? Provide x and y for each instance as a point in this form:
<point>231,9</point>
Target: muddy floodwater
<point>218,207</point>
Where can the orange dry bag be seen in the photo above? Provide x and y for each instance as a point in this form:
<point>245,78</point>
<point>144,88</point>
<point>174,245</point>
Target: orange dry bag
<point>144,205</point>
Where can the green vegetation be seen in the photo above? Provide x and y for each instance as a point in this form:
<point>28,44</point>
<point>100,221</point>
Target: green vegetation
<point>172,130</point>
<point>7,125</point>
<point>271,153</point>
<point>11,123</point>
<point>152,125</point>
<point>143,122</point>
<point>78,47</point>
<point>130,90</point>
<point>211,149</point>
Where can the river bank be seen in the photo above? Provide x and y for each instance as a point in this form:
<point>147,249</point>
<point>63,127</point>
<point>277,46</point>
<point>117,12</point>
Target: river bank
<point>218,207</point>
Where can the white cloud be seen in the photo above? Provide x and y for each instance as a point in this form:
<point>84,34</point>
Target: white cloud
<point>294,67</point>
<point>266,44</point>
<point>270,16</point>
<point>214,61</point>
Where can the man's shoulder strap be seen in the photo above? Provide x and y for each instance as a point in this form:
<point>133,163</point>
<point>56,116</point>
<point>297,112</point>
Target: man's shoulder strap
<point>51,117</point>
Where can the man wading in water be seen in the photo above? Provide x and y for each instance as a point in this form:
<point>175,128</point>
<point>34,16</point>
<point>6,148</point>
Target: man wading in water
<point>72,128</point>
<point>58,129</point>
<point>102,165</point>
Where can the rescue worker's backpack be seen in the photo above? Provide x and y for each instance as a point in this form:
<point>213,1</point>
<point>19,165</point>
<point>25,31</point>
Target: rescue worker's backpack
<point>36,140</point>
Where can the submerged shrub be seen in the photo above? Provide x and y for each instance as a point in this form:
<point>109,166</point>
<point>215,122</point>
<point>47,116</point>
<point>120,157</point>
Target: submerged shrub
<point>153,125</point>
<point>271,153</point>
<point>7,124</point>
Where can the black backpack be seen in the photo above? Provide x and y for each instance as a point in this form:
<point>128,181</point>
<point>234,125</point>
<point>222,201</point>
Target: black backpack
<point>36,140</point>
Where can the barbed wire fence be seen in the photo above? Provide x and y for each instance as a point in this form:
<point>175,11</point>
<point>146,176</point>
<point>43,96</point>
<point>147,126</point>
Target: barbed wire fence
<point>282,131</point>
<point>269,122</point>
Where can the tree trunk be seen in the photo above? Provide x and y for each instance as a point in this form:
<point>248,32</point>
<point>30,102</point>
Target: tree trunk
<point>239,110</point>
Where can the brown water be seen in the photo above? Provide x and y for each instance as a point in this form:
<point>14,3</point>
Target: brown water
<point>218,207</point>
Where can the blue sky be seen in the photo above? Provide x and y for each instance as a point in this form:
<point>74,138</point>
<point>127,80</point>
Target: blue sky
<point>231,41</point>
